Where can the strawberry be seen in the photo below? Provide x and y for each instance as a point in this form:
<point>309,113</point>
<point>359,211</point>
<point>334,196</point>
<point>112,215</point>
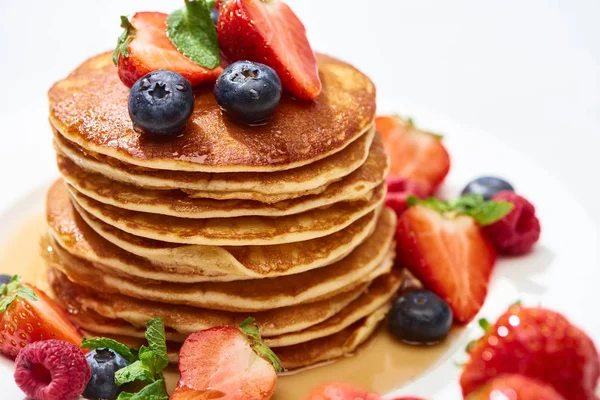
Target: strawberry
<point>399,190</point>
<point>515,387</point>
<point>145,47</point>
<point>268,31</point>
<point>341,391</point>
<point>28,316</point>
<point>539,344</point>
<point>227,362</point>
<point>444,246</point>
<point>415,155</point>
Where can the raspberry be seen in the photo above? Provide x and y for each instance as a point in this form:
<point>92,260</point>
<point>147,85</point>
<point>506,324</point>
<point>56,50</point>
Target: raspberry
<point>399,190</point>
<point>519,230</point>
<point>52,370</point>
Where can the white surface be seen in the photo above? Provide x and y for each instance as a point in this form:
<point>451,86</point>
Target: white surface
<point>521,77</point>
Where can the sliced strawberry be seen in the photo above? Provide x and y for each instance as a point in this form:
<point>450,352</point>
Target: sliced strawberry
<point>515,387</point>
<point>537,343</point>
<point>399,190</point>
<point>415,155</point>
<point>268,31</point>
<point>227,362</point>
<point>341,391</point>
<point>150,49</point>
<point>28,316</point>
<point>450,254</point>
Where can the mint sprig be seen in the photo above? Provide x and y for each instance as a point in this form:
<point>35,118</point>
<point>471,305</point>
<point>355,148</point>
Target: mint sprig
<point>153,391</point>
<point>106,343</point>
<point>12,289</point>
<point>193,33</point>
<point>250,329</point>
<point>473,205</point>
<point>123,41</point>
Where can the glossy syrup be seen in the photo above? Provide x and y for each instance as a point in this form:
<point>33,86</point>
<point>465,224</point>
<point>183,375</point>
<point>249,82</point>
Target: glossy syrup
<point>382,364</point>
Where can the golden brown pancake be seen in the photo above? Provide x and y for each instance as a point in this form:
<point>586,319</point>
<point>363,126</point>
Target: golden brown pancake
<point>178,204</point>
<point>298,132</point>
<point>237,231</point>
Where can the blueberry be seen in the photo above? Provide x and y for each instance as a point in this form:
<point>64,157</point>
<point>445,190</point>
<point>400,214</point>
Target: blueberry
<point>487,186</point>
<point>420,317</point>
<point>214,14</point>
<point>4,279</point>
<point>248,91</point>
<point>161,103</point>
<point>104,363</point>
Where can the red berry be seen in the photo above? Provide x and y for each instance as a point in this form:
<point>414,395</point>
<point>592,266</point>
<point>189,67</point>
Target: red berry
<point>515,387</point>
<point>341,391</point>
<point>52,370</point>
<point>399,190</point>
<point>519,230</point>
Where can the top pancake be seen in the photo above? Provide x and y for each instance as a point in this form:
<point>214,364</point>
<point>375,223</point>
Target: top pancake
<point>89,107</point>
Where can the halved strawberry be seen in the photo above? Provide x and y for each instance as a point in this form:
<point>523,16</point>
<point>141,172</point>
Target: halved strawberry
<point>449,253</point>
<point>227,362</point>
<point>149,49</point>
<point>28,316</point>
<point>340,391</point>
<point>415,155</point>
<point>268,31</point>
<point>515,387</point>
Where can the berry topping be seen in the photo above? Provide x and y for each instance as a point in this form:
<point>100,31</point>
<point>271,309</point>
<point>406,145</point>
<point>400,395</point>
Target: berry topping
<point>539,344</point>
<point>269,32</point>
<point>341,391</point>
<point>52,370</point>
<point>248,91</point>
<point>415,155</point>
<point>420,317</point>
<point>399,190</point>
<point>487,186</point>
<point>518,231</point>
<point>515,387</point>
<point>28,316</point>
<point>4,278</point>
<point>145,47</point>
<point>104,363</point>
<point>227,362</point>
<point>161,103</point>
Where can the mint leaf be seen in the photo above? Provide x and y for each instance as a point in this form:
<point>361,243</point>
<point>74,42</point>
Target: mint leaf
<point>155,335</point>
<point>250,329</point>
<point>123,41</point>
<point>193,33</point>
<point>210,3</point>
<point>107,343</point>
<point>154,391</point>
<point>432,202</point>
<point>138,371</point>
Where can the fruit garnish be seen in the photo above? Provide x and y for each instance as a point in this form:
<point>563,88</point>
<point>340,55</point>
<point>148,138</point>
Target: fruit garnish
<point>519,230</point>
<point>399,190</point>
<point>268,31</point>
<point>345,391</point>
<point>539,344</point>
<point>144,47</point>
<point>227,362</point>
<point>444,246</point>
<point>145,364</point>
<point>515,387</point>
<point>487,186</point>
<point>420,317</point>
<point>248,91</point>
<point>416,155</point>
<point>28,316</point>
<point>52,370</point>
<point>161,103</point>
<point>104,363</point>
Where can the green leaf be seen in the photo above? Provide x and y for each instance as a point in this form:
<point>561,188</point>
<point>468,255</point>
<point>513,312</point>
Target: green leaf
<point>250,329</point>
<point>210,3</point>
<point>470,345</point>
<point>27,293</point>
<point>432,202</point>
<point>124,40</point>
<point>107,343</point>
<point>473,205</point>
<point>6,301</point>
<point>484,324</point>
<point>155,335</point>
<point>516,303</point>
<point>154,391</point>
<point>193,33</point>
<point>138,371</point>
<point>13,289</point>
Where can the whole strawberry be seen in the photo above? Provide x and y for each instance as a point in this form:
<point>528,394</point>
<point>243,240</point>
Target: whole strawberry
<point>539,344</point>
<point>515,387</point>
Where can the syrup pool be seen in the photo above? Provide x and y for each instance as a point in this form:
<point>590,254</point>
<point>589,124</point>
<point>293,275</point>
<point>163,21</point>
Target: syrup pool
<point>382,364</point>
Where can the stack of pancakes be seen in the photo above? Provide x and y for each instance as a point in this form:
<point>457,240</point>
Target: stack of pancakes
<point>283,222</point>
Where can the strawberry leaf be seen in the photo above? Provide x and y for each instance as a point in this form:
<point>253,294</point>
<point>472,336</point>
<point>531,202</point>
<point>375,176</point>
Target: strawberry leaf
<point>106,343</point>
<point>432,202</point>
<point>13,289</point>
<point>193,33</point>
<point>123,41</point>
<point>250,329</point>
<point>484,324</point>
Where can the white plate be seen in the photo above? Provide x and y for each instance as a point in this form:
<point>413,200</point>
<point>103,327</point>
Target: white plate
<point>561,273</point>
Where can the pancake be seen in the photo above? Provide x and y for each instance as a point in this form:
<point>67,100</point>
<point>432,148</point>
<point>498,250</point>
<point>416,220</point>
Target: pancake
<point>266,187</point>
<point>371,259</point>
<point>184,319</point>
<point>89,107</point>
<point>176,203</point>
<point>86,237</point>
<point>237,231</point>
